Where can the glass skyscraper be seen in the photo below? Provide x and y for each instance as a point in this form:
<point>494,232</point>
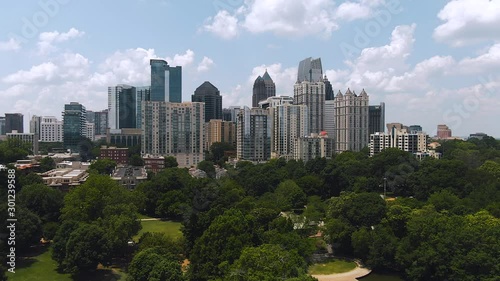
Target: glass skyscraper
<point>74,125</point>
<point>166,81</point>
<point>310,70</point>
<point>210,95</point>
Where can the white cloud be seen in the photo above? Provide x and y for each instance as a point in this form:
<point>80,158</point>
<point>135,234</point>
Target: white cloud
<point>41,73</point>
<point>205,64</point>
<point>222,25</point>
<point>284,78</point>
<point>46,40</point>
<point>352,10</point>
<point>487,61</point>
<point>181,60</point>
<point>10,45</point>
<point>469,21</point>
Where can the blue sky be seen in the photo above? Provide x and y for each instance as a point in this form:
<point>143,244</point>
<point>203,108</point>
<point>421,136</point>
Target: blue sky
<point>431,62</point>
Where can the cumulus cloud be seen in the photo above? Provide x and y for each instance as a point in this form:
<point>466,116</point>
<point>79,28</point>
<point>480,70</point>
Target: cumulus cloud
<point>289,18</point>
<point>10,45</point>
<point>284,78</point>
<point>205,64</point>
<point>181,60</point>
<point>468,21</point>
<point>46,40</point>
<point>223,25</point>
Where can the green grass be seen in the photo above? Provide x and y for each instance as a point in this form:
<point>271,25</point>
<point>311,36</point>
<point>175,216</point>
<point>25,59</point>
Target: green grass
<point>380,277</point>
<point>39,266</point>
<point>333,266</point>
<point>170,228</point>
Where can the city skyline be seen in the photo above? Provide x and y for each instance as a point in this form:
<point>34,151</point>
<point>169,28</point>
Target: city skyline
<point>426,69</point>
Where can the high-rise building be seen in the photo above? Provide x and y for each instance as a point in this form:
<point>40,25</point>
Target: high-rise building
<point>376,118</point>
<point>310,70</point>
<point>210,95</point>
<point>217,130</point>
<point>253,134</point>
<point>314,146</point>
<point>90,131</point>
<point>51,129</point>
<point>101,122</point>
<point>329,94</point>
<point>330,118</point>
<point>166,81</point>
<point>173,129</point>
<point>74,125</point>
<point>263,88</point>
<point>231,113</point>
<point>414,128</point>
<point>2,125</point>
<point>443,132</point>
<point>396,126</point>
<point>124,105</point>
<point>14,121</point>
<point>289,123</point>
<point>413,142</point>
<point>351,121</point>
<point>312,95</point>
<point>226,114</point>
<point>35,127</point>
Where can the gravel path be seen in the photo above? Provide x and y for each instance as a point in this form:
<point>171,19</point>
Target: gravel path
<point>346,276</point>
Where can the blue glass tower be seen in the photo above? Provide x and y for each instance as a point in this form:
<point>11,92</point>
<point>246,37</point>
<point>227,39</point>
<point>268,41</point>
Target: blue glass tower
<point>166,81</point>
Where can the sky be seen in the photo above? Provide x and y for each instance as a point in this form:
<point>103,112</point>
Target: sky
<point>432,62</point>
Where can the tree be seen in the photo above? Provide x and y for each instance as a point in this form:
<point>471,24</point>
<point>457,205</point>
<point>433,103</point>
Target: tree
<point>222,242</point>
<point>170,162</point>
<point>136,160</point>
<point>103,166</point>
<point>362,209</point>
<point>166,270</point>
<point>149,265</point>
<point>42,200</point>
<point>28,228</point>
<point>87,246</point>
<point>162,243</point>
<point>207,167</point>
<point>289,195</point>
<point>267,262</point>
<point>47,164</point>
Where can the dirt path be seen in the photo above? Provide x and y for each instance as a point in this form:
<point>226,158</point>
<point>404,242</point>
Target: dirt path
<point>346,276</point>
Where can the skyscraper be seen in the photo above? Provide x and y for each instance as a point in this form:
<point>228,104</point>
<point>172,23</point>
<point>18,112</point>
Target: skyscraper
<point>2,125</point>
<point>210,95</point>
<point>330,118</point>
<point>263,88</point>
<point>217,130</point>
<point>310,70</point>
<point>253,134</point>
<point>443,132</point>
<point>173,129</point>
<point>376,118</point>
<point>329,94</point>
<point>14,122</point>
<point>312,94</point>
<point>289,123</point>
<point>124,103</point>
<point>35,125</point>
<point>351,121</point>
<point>166,81</point>
<point>74,125</point>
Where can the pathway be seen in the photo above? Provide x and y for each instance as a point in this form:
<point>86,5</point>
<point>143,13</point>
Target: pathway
<point>346,276</point>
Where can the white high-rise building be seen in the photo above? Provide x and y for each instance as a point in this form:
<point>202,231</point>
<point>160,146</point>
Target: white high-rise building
<point>351,121</point>
<point>414,142</point>
<point>51,129</point>
<point>330,117</point>
<point>90,131</point>
<point>173,129</point>
<point>275,101</point>
<point>289,123</point>
<point>312,94</point>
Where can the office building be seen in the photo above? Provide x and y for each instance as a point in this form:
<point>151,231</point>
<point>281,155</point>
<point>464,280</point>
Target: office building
<point>90,131</point>
<point>396,126</point>
<point>74,125</point>
<point>310,70</point>
<point>263,88</point>
<point>210,95</point>
<point>124,104</point>
<point>14,121</point>
<point>329,94</point>
<point>443,132</point>
<point>35,125</point>
<point>275,101</point>
<point>226,114</point>
<point>124,137</point>
<point>253,134</point>
<point>351,121</point>
<point>28,138</point>
<point>173,129</point>
<point>100,120</point>
<point>413,142</point>
<point>217,130</point>
<point>119,155</point>
<point>289,123</point>
<point>314,146</point>
<point>376,118</point>
<point>414,128</point>
<point>51,129</point>
<point>329,118</point>
<point>166,82</point>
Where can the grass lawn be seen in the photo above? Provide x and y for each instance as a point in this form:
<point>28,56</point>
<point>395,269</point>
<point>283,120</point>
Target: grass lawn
<point>39,266</point>
<point>380,277</point>
<point>333,266</point>
<point>170,228</point>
